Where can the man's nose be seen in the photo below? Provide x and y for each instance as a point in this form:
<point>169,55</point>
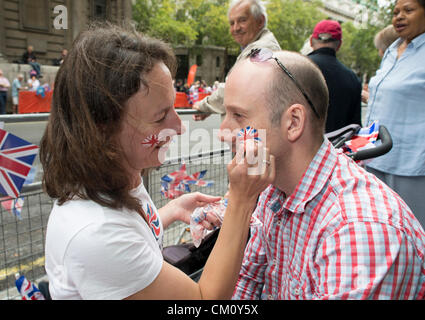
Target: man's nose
<point>225,133</point>
<point>177,124</point>
<point>236,27</point>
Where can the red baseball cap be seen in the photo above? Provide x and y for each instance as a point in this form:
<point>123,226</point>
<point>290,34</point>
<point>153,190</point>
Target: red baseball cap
<point>327,29</point>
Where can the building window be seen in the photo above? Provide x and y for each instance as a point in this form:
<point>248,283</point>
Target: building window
<point>199,60</point>
<point>35,14</point>
<point>100,9</point>
<point>217,62</point>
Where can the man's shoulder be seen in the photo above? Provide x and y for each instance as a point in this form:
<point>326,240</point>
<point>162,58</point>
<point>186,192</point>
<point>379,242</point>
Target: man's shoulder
<point>268,40</point>
<point>363,197</point>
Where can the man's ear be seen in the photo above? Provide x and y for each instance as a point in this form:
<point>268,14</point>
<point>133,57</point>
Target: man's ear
<point>293,122</point>
<point>262,22</point>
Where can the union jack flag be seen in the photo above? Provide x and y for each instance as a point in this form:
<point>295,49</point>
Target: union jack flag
<point>151,141</point>
<point>27,289</point>
<point>16,159</point>
<point>14,206</point>
<point>364,139</point>
<point>176,183</point>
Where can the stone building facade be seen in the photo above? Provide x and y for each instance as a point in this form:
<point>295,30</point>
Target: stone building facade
<point>51,25</point>
<point>212,62</point>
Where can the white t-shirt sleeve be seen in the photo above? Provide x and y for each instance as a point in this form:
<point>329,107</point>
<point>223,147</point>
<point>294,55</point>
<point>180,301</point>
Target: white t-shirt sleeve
<point>111,262</point>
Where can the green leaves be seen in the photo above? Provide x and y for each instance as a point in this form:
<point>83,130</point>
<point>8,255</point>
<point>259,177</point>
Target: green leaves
<point>205,22</point>
<point>292,21</point>
<point>186,22</point>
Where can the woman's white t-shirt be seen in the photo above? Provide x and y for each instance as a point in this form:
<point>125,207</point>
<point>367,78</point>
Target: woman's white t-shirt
<point>94,252</point>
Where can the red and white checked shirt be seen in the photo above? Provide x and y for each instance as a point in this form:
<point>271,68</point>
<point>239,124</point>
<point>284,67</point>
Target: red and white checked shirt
<point>342,234</point>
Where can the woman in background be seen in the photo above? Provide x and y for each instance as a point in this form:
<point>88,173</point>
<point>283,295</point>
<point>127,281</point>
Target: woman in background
<point>397,95</point>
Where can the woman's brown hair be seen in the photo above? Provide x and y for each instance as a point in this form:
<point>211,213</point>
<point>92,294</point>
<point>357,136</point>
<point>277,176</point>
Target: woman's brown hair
<point>106,65</point>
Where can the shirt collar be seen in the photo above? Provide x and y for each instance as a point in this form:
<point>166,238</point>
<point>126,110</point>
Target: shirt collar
<point>258,36</point>
<point>419,40</point>
<point>415,43</point>
<point>311,183</point>
<point>324,50</point>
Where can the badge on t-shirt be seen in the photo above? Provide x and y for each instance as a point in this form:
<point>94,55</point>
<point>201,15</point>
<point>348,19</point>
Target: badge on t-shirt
<point>153,221</point>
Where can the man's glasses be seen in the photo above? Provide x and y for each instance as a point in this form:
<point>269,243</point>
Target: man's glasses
<point>264,54</point>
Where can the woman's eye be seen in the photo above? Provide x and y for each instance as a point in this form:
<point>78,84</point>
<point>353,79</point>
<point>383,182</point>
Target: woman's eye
<point>162,118</point>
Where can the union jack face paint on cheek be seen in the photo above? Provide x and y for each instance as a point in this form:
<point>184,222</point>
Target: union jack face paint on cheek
<point>151,141</point>
<point>247,134</point>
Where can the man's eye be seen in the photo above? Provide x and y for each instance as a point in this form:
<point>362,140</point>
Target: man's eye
<point>237,115</point>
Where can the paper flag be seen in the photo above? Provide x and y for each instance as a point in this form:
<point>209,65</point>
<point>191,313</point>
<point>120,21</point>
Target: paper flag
<point>364,139</point>
<point>28,290</point>
<point>176,183</point>
<point>16,159</point>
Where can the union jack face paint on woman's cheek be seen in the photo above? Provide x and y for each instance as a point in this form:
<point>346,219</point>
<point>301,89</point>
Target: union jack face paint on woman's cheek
<point>151,141</point>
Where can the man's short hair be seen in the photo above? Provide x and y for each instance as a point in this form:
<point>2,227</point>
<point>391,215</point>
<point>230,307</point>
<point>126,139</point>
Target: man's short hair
<point>384,38</point>
<point>284,93</point>
<point>328,33</point>
<point>257,9</point>
<point>331,43</point>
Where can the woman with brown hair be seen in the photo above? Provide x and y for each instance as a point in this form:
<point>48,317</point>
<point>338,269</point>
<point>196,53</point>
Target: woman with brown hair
<point>113,93</point>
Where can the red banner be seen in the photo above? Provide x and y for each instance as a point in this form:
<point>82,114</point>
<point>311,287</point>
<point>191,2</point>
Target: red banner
<point>29,102</point>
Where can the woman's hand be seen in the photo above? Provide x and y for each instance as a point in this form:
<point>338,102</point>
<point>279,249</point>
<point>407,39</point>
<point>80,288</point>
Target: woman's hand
<point>250,172</point>
<point>181,208</point>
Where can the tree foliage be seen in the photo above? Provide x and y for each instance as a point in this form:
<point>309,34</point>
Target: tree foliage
<point>358,50</point>
<point>186,22</point>
<point>204,22</point>
<point>292,21</point>
<point>158,18</point>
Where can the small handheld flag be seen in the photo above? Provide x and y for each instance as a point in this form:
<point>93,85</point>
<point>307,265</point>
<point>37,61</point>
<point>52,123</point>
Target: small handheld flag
<point>16,159</point>
<point>176,183</point>
<point>364,139</point>
<point>27,289</point>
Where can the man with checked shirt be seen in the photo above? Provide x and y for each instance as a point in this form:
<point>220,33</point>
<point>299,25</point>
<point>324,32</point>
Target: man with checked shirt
<point>330,230</point>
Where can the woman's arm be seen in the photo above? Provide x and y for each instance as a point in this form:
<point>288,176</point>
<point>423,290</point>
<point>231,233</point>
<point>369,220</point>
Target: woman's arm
<point>221,270</point>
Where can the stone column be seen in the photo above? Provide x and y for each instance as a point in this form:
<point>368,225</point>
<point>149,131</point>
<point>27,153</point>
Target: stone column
<point>2,32</point>
<point>79,17</point>
<point>128,10</point>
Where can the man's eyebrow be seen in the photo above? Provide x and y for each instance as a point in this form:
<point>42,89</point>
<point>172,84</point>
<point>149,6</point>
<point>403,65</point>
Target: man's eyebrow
<point>235,109</point>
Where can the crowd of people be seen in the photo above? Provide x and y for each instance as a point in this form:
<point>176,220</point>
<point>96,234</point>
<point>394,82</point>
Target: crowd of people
<point>18,84</point>
<point>194,90</point>
<point>329,228</point>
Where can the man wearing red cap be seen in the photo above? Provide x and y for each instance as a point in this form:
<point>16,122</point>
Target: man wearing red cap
<point>343,84</point>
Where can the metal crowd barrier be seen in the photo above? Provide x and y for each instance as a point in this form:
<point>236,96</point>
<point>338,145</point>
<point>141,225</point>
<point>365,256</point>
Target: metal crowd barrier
<point>22,237</point>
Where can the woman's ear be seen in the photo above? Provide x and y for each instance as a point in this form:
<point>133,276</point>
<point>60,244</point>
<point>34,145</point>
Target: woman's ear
<point>293,122</point>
